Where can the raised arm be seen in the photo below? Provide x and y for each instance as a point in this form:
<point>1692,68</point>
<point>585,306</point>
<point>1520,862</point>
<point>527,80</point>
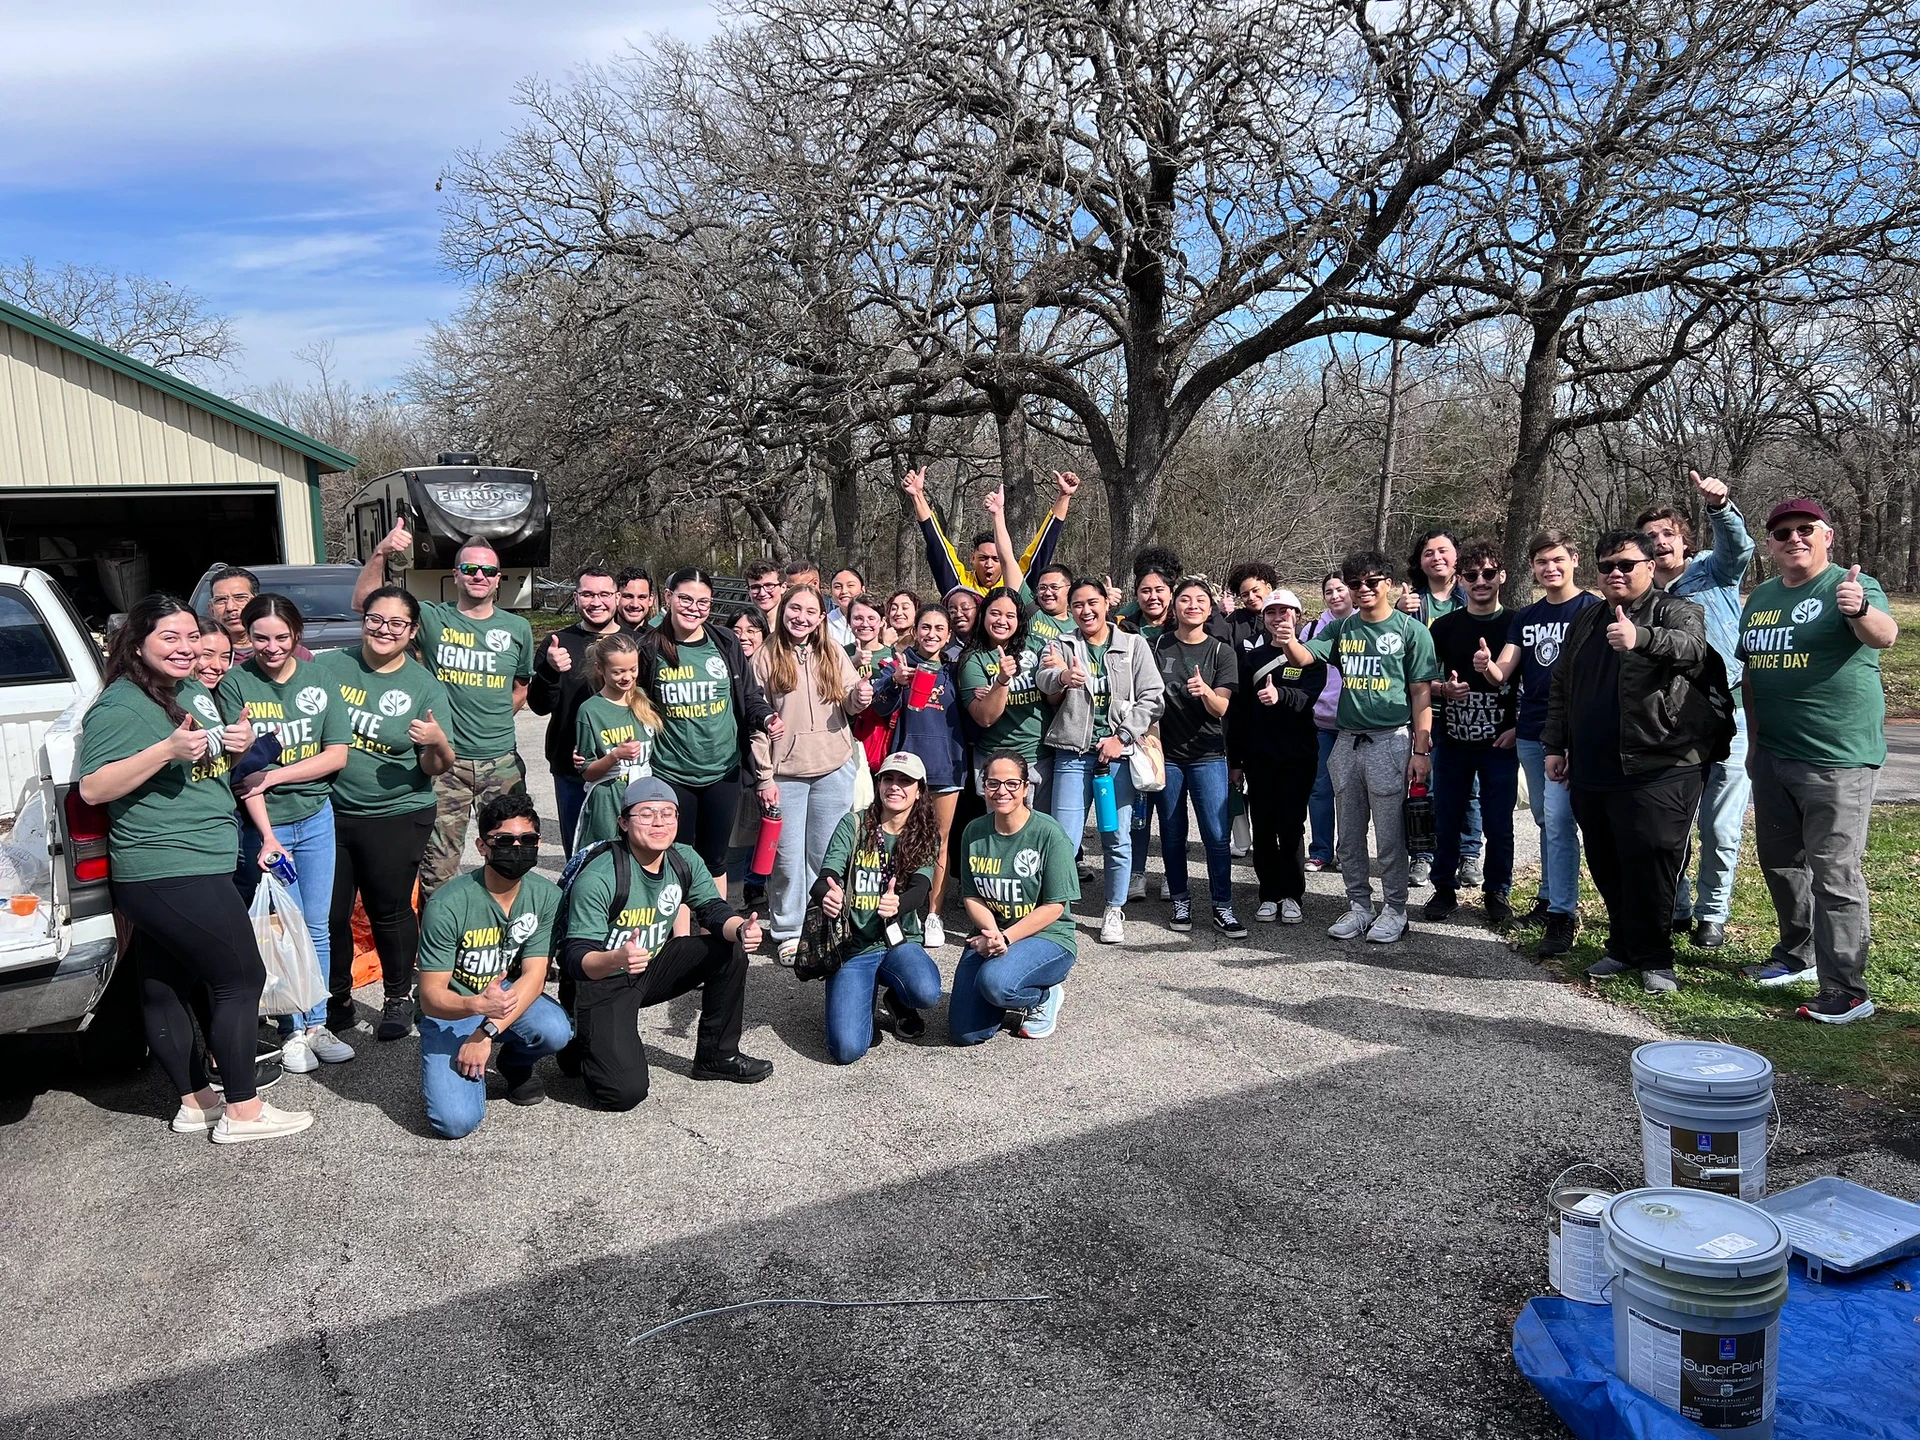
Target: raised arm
<point>373,574</point>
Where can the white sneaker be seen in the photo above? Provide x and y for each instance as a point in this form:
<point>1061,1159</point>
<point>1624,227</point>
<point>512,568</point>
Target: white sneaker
<point>1290,912</point>
<point>1268,912</point>
<point>270,1124</point>
<point>1353,924</point>
<point>192,1120</point>
<point>934,934</point>
<point>1137,887</point>
<point>296,1055</point>
<point>1166,890</point>
<point>1113,929</point>
<point>328,1046</point>
<point>1390,925</point>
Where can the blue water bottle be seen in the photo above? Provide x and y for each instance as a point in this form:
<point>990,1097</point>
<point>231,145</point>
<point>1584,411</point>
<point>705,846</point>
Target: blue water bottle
<point>1106,813</point>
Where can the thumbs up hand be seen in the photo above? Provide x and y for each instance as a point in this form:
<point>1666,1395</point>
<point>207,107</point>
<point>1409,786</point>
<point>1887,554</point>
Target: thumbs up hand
<point>189,742</point>
<point>1713,491</point>
<point>1621,635</point>
<point>888,905</point>
<point>558,656</point>
<point>1197,687</point>
<point>1268,693</point>
<point>1483,657</point>
<point>749,934</point>
<point>1851,596</point>
<point>1453,687</point>
<point>426,731</point>
<point>237,738</point>
<point>398,542</point>
<point>834,901</point>
<point>634,957</point>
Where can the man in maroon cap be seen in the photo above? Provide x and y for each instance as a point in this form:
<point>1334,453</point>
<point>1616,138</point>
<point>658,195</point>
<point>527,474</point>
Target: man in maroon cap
<point>1811,639</point>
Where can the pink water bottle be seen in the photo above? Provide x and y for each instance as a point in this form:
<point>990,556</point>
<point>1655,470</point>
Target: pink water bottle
<point>768,843</point>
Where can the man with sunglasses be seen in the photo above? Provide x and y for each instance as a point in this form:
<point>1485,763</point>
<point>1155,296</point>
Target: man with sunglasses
<point>562,680</point>
<point>1816,709</point>
<point>1711,579</point>
<point>624,955</point>
<point>1385,718</point>
<point>485,940</point>
<point>1637,710</point>
<point>484,656</point>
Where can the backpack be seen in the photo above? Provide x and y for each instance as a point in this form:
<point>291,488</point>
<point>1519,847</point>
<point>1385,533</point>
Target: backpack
<point>622,877</point>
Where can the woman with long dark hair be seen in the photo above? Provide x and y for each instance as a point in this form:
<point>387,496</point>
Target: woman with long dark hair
<point>878,872</point>
<point>294,700</point>
<point>710,708</point>
<point>155,754</point>
<point>383,800</point>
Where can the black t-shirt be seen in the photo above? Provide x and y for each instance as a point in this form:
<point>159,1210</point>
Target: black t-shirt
<point>1187,729</point>
<point>1489,710</point>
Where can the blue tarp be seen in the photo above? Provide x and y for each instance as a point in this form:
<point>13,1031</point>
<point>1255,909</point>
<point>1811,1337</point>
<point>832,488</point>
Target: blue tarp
<point>1849,1363</point>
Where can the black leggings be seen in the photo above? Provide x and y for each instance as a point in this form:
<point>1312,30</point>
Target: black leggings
<point>378,856</point>
<point>1277,795</point>
<point>195,933</point>
<point>707,813</point>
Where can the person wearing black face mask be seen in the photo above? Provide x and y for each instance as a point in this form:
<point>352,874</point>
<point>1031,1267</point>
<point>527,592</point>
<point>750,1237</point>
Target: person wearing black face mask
<point>485,941</point>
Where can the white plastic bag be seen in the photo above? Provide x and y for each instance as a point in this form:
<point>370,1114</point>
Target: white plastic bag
<point>294,982</point>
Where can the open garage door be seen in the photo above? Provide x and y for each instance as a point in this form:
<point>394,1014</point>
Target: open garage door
<point>155,539</point>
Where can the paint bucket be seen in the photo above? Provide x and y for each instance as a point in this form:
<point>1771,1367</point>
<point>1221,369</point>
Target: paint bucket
<point>1697,1282</point>
<point>1703,1116</point>
<point>1576,1250</point>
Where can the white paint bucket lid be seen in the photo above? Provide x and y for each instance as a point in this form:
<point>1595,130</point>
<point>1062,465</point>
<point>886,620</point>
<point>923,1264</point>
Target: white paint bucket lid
<point>1695,1232</point>
<point>1700,1071</point>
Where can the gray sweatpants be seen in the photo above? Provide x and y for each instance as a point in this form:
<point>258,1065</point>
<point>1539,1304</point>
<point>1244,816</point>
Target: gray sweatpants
<point>1810,827</point>
<point>1369,773</point>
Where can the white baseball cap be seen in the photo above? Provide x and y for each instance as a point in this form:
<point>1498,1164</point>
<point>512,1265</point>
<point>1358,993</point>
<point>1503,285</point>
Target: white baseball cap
<point>1282,597</point>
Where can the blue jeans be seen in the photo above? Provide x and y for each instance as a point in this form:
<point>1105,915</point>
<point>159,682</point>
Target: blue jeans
<point>1206,781</point>
<point>1140,828</point>
<point>569,794</point>
<point>907,970</point>
<point>1559,836</point>
<point>810,810</point>
<point>984,990</point>
<point>1457,771</point>
<point>1723,815</point>
<point>455,1104</point>
<point>1472,837</point>
<point>310,844</point>
<point>1320,805</point>
<point>1073,796</point>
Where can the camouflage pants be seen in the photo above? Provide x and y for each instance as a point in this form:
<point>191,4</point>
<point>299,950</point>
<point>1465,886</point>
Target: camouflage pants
<point>457,795</point>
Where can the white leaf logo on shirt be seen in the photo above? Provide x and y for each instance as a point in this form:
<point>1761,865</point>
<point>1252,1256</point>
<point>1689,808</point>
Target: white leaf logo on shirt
<point>1387,644</point>
<point>522,928</point>
<point>310,701</point>
<point>205,708</point>
<point>716,667</point>
<point>669,900</point>
<point>1807,610</point>
<point>395,702</point>
<point>1027,864</point>
<point>498,640</point>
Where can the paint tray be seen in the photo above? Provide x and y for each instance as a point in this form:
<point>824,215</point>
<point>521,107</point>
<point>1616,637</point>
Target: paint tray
<point>1836,1225</point>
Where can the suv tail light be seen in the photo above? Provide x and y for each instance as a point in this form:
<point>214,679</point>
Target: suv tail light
<point>86,849</point>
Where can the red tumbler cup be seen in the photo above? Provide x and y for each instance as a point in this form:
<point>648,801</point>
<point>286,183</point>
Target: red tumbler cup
<point>768,843</point>
<point>920,691</point>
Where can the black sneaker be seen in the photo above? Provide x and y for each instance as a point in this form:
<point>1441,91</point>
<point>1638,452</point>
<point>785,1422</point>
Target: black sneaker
<point>522,1087</point>
<point>1606,967</point>
<point>907,1023</point>
<point>1709,935</point>
<point>1831,1007</point>
<point>741,1069</point>
<point>342,1018</point>
<point>396,1018</point>
<point>1499,911</point>
<point>1182,915</point>
<point>1228,923</point>
<point>1538,914</point>
<point>1558,939</point>
<point>1442,905</point>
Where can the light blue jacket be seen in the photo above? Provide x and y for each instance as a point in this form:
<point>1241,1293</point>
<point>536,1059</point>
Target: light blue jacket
<point>1712,581</point>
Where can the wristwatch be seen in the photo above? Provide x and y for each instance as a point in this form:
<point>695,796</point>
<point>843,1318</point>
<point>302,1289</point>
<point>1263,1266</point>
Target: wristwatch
<point>489,1029</point>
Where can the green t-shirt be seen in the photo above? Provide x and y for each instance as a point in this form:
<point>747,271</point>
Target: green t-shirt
<point>601,726</point>
<point>1438,605</point>
<point>867,882</point>
<point>1044,627</point>
<point>383,774</point>
<point>1013,875</point>
<point>1377,660</point>
<point>1022,723</point>
<point>179,821</point>
<point>700,740</point>
<point>307,715</point>
<point>478,661</point>
<point>1099,690</point>
<point>464,932</point>
<point>1814,688</point>
<point>653,900</point>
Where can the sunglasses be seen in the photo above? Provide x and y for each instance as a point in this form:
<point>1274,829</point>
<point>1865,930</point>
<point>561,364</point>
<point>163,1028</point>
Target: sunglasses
<point>1366,582</point>
<point>1787,532</point>
<point>513,842</point>
<point>469,568</point>
<point>1618,567</point>
<point>1492,572</point>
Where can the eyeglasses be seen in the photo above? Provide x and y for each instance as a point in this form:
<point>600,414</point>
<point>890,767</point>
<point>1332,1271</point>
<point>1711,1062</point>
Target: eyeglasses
<point>469,568</point>
<point>504,841</point>
<point>1618,567</point>
<point>596,594</point>
<point>657,814</point>
<point>762,587</point>
<point>1367,582</point>
<point>688,602</point>
<point>1787,532</point>
<point>382,625</point>
<point>1492,572</point>
<point>1005,784</point>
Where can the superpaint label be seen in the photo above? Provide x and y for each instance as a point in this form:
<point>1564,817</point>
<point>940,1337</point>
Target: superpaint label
<point>1720,1382</point>
<point>1723,1162</point>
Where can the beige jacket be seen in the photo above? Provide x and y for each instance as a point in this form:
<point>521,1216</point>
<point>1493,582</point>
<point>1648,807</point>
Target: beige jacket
<point>818,739</point>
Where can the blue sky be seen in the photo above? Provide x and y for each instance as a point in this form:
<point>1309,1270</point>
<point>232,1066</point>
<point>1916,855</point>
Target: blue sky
<point>277,157</point>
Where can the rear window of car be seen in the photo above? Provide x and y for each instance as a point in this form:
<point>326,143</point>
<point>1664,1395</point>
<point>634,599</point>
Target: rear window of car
<point>29,654</point>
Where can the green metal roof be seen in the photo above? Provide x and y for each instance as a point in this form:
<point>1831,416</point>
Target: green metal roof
<point>325,457</point>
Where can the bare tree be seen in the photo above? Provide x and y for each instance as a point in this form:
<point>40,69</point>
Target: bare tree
<point>163,324</point>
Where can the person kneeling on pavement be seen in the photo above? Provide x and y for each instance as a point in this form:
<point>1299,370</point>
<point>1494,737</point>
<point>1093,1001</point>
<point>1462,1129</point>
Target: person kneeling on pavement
<point>878,872</point>
<point>485,940</point>
<point>623,956</point>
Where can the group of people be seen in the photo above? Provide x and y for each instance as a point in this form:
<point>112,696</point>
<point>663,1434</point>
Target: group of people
<point>909,748</point>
